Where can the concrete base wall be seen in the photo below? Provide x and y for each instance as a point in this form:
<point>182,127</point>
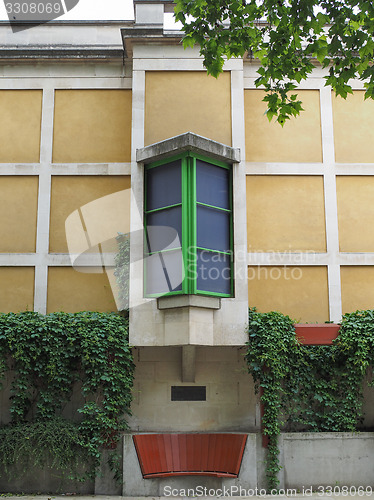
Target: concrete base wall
<point>308,460</point>
<point>327,458</point>
<point>51,481</point>
<point>46,481</point>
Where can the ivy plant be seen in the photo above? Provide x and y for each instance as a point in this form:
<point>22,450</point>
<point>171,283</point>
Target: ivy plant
<point>49,355</point>
<point>271,339</point>
<point>284,37</point>
<point>308,388</point>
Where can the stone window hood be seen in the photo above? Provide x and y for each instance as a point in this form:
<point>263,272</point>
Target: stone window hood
<point>188,142</point>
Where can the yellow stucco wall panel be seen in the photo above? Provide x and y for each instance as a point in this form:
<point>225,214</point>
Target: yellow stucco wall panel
<point>73,291</point>
<point>285,213</point>
<point>357,288</point>
<point>298,141</point>
<point>355,196</point>
<point>180,101</point>
<point>18,212</point>
<point>20,125</point>
<point>92,126</point>
<point>70,193</point>
<point>17,289</point>
<point>301,292</point>
<point>353,128</point>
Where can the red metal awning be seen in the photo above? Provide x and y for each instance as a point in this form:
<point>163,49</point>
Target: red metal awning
<point>162,455</point>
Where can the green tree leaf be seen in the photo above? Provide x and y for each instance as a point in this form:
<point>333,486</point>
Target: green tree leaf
<point>283,36</point>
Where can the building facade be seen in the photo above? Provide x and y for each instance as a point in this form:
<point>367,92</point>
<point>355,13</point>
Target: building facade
<point>87,110</point>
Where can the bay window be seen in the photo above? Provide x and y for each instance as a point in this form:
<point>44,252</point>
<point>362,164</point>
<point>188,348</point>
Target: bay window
<point>188,244</point>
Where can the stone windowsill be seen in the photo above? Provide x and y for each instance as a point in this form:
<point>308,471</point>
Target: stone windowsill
<point>175,301</point>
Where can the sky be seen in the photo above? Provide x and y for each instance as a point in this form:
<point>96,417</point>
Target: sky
<point>86,10</point>
<point>90,10</point>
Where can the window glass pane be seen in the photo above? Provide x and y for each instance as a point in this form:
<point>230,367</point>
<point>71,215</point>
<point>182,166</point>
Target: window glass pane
<point>164,229</point>
<point>164,185</point>
<point>164,272</point>
<point>213,272</point>
<point>213,229</point>
<point>212,185</point>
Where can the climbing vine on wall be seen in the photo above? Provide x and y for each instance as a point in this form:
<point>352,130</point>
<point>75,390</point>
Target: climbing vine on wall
<point>48,356</point>
<point>308,388</point>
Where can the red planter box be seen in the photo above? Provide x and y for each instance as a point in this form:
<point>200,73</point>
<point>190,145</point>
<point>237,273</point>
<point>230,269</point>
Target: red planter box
<point>319,334</point>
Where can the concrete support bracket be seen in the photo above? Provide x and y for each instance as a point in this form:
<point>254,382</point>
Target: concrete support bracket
<point>188,363</point>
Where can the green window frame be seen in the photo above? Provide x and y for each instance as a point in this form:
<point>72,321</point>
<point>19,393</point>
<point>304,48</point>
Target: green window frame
<point>188,256</point>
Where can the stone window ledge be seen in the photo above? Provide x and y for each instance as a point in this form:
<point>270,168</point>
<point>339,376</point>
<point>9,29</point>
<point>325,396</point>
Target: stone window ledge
<point>177,301</point>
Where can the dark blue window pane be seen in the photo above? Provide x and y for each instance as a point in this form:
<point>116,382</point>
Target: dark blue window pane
<point>163,272</point>
<point>213,229</point>
<point>164,185</point>
<point>213,272</point>
<point>212,185</point>
<point>164,229</point>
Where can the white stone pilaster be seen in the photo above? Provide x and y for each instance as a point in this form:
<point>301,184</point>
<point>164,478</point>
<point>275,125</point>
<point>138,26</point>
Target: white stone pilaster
<point>331,209</point>
<point>44,203</point>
